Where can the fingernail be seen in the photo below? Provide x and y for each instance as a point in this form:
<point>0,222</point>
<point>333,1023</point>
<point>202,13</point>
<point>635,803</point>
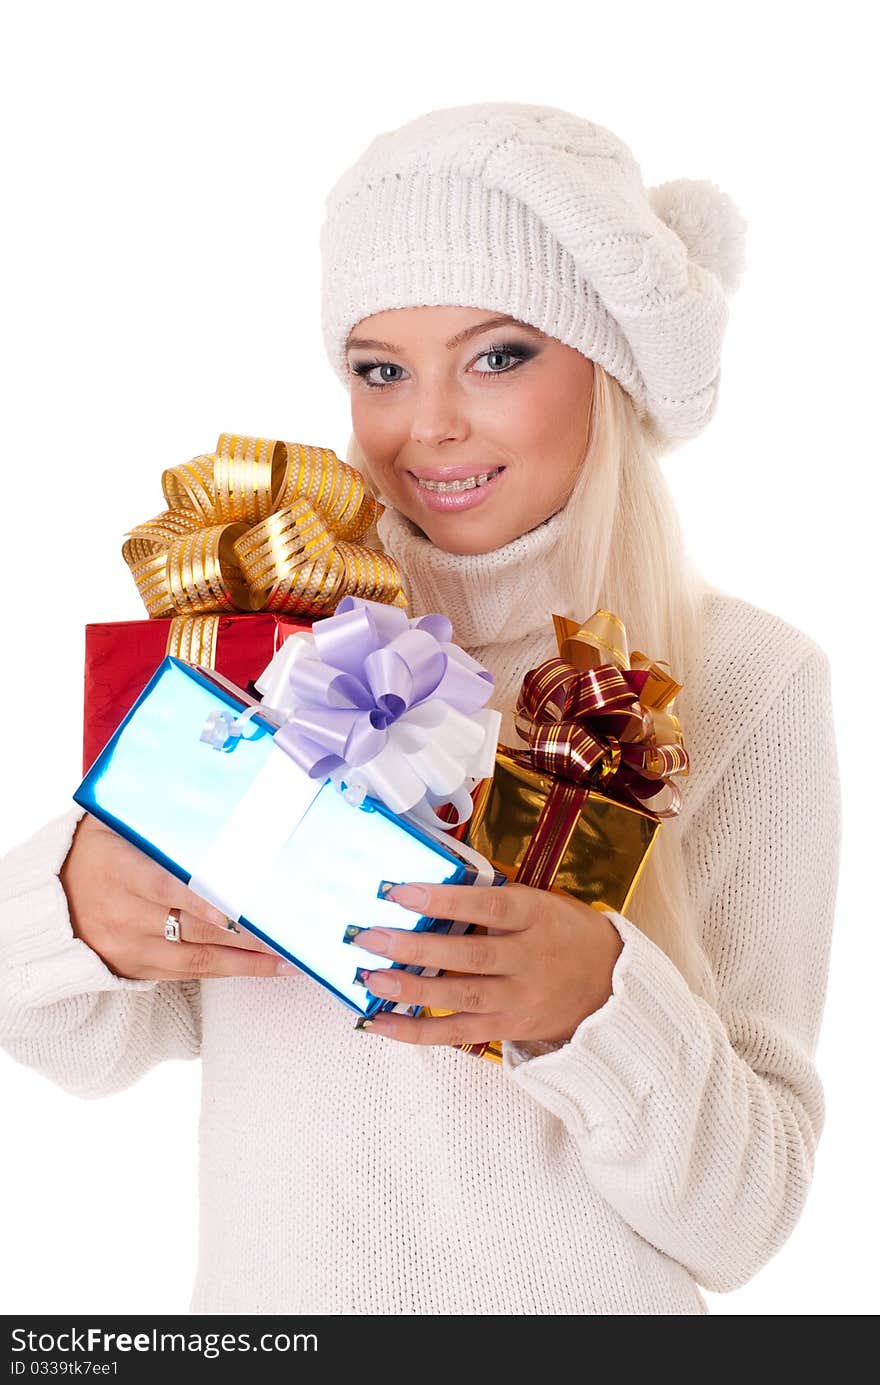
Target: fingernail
<point>390,981</point>
<point>361,976</point>
<point>363,1023</point>
<point>412,896</point>
<point>351,931</point>
<point>285,967</point>
<point>231,924</point>
<point>385,888</point>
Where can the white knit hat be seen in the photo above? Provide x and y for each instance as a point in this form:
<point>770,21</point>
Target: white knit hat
<point>532,211</point>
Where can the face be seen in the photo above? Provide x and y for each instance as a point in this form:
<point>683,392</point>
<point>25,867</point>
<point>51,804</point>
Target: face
<point>474,425</point>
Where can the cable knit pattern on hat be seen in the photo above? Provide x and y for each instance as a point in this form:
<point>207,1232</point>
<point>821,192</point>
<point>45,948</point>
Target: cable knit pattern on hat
<point>664,1148</point>
<point>533,211</point>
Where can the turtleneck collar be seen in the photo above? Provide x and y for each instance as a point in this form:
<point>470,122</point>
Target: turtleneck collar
<point>491,598</point>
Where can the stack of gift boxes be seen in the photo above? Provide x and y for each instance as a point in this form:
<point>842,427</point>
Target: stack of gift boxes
<point>283,737</point>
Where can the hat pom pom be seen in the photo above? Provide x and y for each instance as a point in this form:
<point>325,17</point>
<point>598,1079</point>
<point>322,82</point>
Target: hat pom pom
<point>709,224</point>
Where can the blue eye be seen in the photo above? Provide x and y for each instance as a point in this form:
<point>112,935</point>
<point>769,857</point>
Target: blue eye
<point>520,354</point>
<point>365,368</point>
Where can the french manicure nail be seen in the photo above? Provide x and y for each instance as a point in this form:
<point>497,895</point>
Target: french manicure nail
<point>363,1023</point>
<point>409,895</point>
<point>385,888</point>
<point>351,931</point>
<point>361,976</point>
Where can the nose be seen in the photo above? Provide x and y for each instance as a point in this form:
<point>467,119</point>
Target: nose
<point>437,417</point>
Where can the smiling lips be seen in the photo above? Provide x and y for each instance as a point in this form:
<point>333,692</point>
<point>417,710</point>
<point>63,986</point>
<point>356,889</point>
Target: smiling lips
<point>455,488</point>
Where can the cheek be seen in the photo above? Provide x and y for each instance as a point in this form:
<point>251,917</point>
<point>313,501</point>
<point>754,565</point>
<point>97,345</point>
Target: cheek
<point>378,429</point>
<point>546,425</point>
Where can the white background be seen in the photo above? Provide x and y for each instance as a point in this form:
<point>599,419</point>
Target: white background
<point>164,170</point>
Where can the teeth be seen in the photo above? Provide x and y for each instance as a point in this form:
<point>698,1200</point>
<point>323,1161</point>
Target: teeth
<point>467,485</point>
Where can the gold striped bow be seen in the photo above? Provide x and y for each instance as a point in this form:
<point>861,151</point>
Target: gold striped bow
<point>259,525</point>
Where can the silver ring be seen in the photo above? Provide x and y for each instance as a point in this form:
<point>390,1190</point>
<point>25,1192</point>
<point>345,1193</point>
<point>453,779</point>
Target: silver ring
<point>172,926</point>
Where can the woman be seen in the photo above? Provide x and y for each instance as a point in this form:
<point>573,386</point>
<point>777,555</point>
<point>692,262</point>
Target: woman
<point>653,1126</point>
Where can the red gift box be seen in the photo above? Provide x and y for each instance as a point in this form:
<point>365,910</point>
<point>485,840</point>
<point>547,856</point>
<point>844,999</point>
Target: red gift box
<point>122,655</point>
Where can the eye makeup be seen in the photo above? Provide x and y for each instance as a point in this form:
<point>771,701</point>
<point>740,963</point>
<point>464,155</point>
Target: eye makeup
<point>518,351</point>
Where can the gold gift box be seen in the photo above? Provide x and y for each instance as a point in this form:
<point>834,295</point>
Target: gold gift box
<point>606,843</point>
<point>607,850</point>
<point>602,863</point>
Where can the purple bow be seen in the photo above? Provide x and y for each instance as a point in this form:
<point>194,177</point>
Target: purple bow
<point>386,703</point>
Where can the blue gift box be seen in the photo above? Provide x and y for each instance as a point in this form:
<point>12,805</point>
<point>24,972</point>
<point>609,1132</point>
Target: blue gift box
<point>246,828</point>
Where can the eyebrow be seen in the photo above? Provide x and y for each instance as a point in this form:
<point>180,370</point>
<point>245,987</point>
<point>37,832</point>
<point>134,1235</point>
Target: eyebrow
<point>459,337</point>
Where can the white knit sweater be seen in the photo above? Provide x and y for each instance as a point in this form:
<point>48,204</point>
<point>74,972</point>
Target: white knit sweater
<point>665,1147</point>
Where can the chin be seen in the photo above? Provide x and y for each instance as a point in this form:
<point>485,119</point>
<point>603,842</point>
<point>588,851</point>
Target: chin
<point>470,548</point>
<point>464,544</point>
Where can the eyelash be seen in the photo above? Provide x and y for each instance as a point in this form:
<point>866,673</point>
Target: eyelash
<point>522,354</point>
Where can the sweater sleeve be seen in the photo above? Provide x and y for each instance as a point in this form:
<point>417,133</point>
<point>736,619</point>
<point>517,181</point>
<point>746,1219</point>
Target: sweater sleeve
<point>699,1123</point>
<point>62,1010</point>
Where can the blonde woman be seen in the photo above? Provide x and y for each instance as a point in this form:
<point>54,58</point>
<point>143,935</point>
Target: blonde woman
<point>524,331</point>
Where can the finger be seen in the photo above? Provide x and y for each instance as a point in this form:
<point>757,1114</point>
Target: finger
<point>478,995</point>
<point>135,875</point>
<point>182,961</point>
<point>194,929</point>
<point>234,934</point>
<point>436,1029</point>
<point>505,907</point>
<point>146,878</point>
<point>468,952</point>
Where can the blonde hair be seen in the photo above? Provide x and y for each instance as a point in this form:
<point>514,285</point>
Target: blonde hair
<point>624,551</point>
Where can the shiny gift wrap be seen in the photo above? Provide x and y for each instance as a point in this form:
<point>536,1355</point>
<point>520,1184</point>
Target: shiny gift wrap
<point>194,778</point>
<point>260,531</point>
<point>606,849</point>
<point>121,657</point>
<point>571,811</point>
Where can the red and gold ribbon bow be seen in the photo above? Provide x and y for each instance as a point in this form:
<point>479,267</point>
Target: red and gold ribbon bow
<point>595,718</point>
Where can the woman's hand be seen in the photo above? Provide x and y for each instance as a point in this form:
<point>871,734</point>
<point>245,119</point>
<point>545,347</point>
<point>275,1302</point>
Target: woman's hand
<point>544,965</point>
<point>118,900</point>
